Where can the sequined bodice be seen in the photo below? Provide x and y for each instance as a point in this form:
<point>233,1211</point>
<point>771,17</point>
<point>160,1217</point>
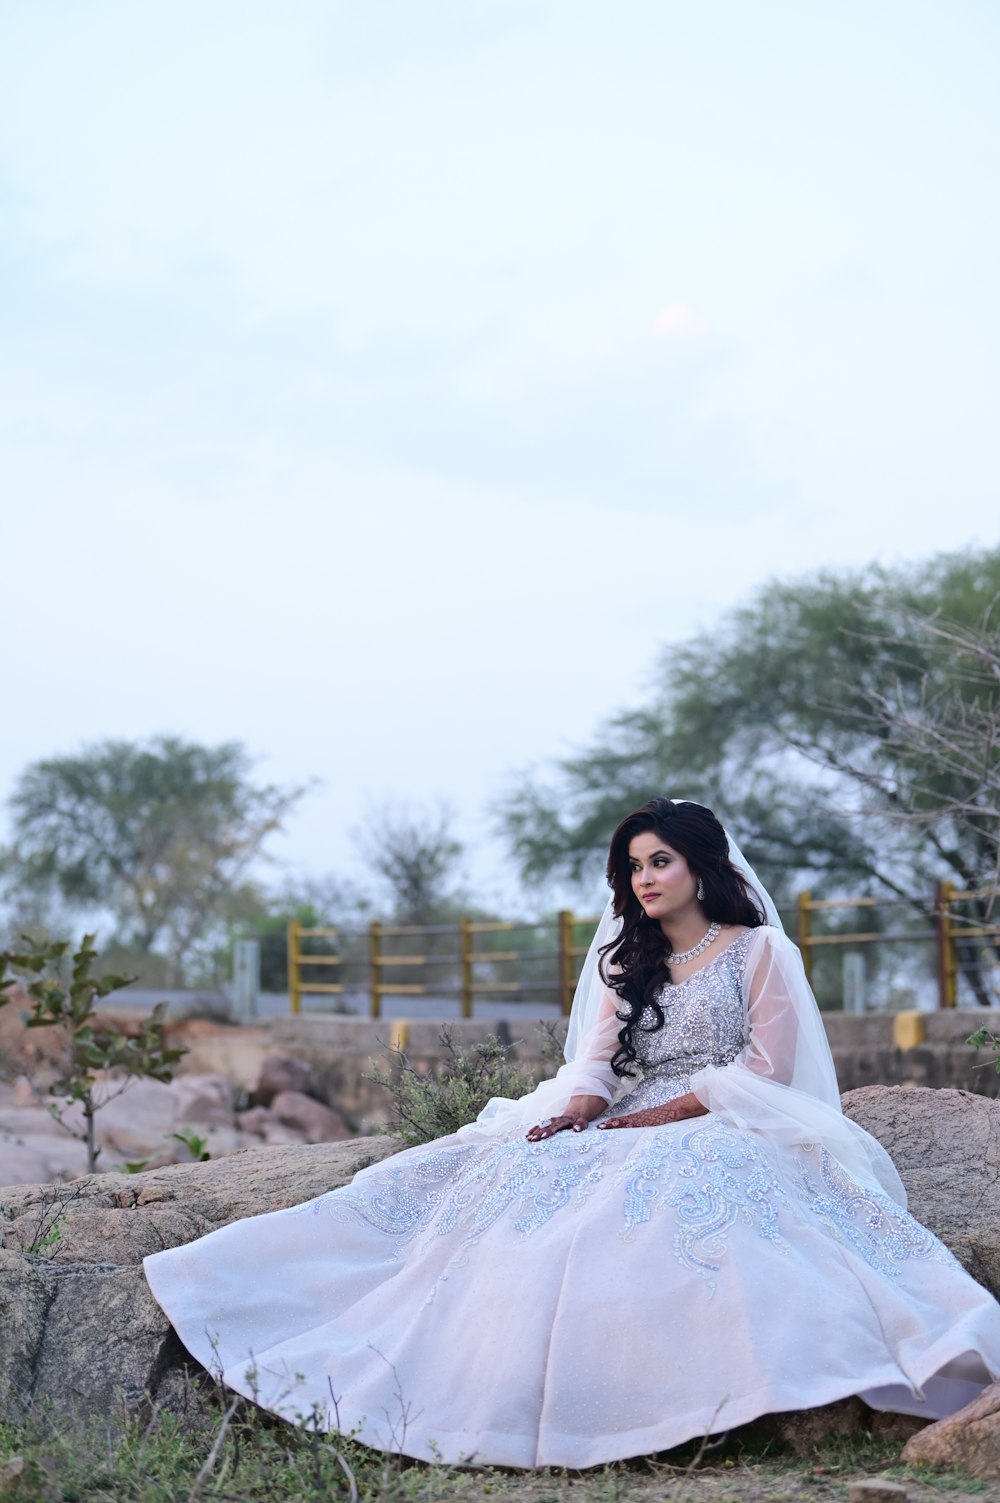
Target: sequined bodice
<point>704,1023</point>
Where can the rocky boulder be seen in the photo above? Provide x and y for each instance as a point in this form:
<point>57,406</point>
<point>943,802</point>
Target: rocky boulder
<point>946,1146</point>
<point>280,1073</point>
<point>968,1441</point>
<point>80,1331</point>
<point>148,1122</point>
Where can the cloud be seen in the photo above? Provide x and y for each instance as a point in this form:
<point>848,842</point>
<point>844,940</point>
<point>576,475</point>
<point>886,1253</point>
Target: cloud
<point>678,321</point>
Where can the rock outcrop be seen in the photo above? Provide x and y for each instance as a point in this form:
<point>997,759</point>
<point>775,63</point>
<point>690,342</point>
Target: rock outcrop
<point>968,1441</point>
<point>79,1331</point>
<point>147,1121</point>
<point>946,1146</point>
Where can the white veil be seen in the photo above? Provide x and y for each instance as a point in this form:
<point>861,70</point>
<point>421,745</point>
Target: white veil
<point>783,1084</point>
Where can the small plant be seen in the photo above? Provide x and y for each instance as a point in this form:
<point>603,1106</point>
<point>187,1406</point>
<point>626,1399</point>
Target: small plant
<point>92,1051</point>
<point>985,1038</point>
<point>42,1238</point>
<point>427,1106</point>
<point>196,1146</point>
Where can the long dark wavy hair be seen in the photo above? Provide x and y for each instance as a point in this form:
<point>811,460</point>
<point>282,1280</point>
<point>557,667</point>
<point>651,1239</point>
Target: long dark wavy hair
<point>634,964</point>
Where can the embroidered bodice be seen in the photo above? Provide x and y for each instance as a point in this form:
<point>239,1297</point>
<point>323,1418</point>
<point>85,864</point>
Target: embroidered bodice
<point>704,1023</point>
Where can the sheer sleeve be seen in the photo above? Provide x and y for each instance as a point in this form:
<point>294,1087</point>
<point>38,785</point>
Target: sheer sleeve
<point>783,1084</point>
<point>786,1040</point>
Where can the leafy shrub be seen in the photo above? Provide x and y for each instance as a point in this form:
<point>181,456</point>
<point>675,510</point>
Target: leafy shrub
<point>430,1105</point>
<point>985,1038</point>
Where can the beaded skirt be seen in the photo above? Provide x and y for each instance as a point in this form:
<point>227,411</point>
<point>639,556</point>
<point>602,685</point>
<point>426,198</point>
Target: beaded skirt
<point>592,1296</point>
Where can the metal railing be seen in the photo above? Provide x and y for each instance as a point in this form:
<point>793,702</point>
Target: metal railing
<point>949,930</point>
<point>466,961</point>
<point>457,961</point>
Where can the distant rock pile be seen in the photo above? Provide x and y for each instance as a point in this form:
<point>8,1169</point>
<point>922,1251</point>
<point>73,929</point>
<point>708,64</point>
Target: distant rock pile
<point>139,1125</point>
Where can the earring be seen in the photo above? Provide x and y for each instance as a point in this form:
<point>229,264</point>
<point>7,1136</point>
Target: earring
<point>700,894</point>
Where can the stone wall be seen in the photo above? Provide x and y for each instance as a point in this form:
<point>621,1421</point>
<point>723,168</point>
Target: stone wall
<point>341,1051</point>
<point>865,1053</point>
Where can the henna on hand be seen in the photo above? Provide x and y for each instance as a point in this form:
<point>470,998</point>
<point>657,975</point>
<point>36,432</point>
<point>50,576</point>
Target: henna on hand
<point>678,1110</point>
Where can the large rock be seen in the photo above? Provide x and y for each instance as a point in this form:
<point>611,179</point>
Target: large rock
<point>316,1122</point>
<point>968,1441</point>
<point>946,1146</point>
<point>278,1073</point>
<point>79,1330</point>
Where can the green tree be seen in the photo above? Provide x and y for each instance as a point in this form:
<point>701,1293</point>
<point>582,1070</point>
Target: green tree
<point>162,834</point>
<point>940,744</point>
<point>772,719</point>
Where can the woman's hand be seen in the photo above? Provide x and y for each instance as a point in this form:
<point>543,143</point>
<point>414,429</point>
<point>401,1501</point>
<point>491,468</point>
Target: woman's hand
<point>678,1110</point>
<point>579,1114</point>
<point>557,1124</point>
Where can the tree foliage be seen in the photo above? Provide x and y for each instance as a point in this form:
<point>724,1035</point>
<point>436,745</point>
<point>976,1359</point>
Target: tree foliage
<point>161,834</point>
<point>777,720</point>
<point>315,903</point>
<point>413,860</point>
<point>947,738</point>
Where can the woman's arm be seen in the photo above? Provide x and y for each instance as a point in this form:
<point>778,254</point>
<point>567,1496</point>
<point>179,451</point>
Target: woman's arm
<point>786,1041</point>
<point>678,1110</point>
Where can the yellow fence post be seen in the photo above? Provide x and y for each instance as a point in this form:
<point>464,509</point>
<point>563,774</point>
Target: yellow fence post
<point>565,961</point>
<point>374,957</point>
<point>947,969</point>
<point>803,908</point>
<point>465,954</point>
<point>294,977</point>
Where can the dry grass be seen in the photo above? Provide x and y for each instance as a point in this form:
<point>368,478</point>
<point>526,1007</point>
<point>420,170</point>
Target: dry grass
<point>248,1457</point>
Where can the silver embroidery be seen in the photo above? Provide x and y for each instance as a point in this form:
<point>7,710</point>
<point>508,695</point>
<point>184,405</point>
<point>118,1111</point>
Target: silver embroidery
<point>399,1200</point>
<point>711,1176</point>
<point>466,1188</point>
<point>704,1023</point>
<point>708,1175</point>
<point>872,1224</point>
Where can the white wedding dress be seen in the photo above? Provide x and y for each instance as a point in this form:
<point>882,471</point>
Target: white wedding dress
<point>602,1294</point>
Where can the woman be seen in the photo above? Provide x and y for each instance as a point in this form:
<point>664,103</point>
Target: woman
<point>676,1234</point>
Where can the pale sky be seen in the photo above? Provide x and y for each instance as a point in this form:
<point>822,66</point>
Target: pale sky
<point>383,383</point>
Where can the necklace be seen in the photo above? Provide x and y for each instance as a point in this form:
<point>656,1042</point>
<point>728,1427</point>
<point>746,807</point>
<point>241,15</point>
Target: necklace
<point>712,933</point>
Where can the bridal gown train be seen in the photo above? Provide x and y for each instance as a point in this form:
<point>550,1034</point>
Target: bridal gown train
<point>600,1294</point>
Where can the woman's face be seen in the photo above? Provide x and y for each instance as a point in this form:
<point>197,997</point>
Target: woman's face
<point>661,878</point>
